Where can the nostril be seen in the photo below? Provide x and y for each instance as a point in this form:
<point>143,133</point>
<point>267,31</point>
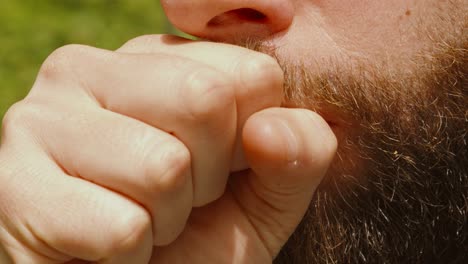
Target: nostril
<point>248,14</point>
<point>238,16</point>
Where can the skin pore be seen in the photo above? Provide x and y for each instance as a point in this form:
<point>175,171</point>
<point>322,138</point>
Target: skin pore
<point>397,191</point>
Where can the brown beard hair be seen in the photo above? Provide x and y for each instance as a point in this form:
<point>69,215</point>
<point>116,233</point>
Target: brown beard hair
<point>398,189</point>
<point>410,203</point>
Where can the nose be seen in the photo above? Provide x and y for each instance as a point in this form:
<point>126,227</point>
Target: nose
<point>230,20</point>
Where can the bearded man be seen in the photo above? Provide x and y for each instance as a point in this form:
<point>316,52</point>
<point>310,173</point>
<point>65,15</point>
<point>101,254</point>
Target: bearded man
<point>347,144</point>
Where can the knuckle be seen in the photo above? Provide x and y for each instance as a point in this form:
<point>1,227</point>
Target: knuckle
<point>262,71</point>
<point>149,43</point>
<point>140,41</point>
<point>208,94</point>
<point>19,117</point>
<point>168,170</point>
<point>58,62</point>
<point>265,65</point>
<point>129,231</point>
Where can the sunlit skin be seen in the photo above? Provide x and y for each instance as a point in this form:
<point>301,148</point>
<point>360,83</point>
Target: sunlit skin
<point>316,30</point>
<point>345,143</point>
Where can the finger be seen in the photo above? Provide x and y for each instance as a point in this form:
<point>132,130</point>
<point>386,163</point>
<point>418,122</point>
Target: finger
<point>289,151</point>
<point>54,217</point>
<point>126,156</point>
<point>194,102</point>
<point>259,77</point>
<point>4,257</point>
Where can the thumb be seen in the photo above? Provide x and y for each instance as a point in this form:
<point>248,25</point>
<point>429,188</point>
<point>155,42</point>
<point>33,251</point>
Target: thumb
<point>289,152</point>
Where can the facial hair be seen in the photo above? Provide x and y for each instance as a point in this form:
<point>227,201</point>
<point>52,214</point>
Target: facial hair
<point>397,191</point>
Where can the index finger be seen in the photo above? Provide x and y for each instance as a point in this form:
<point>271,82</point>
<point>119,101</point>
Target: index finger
<point>260,78</point>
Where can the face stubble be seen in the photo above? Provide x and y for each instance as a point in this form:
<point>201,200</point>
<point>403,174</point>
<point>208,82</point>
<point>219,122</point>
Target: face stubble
<point>397,191</point>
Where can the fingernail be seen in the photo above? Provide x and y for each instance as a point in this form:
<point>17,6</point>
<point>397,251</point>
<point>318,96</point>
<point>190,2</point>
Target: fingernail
<point>291,142</point>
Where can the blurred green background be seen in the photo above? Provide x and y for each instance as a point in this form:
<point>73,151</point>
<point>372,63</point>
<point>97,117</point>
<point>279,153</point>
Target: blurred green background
<point>32,29</point>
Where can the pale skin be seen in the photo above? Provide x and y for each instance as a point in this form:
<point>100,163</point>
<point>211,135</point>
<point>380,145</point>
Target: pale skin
<point>168,150</point>
<point>145,148</point>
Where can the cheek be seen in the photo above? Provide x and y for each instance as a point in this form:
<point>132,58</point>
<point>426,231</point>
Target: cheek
<point>368,24</point>
<point>325,29</point>
<point>342,11</point>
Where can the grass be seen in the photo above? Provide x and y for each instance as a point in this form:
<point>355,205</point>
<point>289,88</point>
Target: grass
<point>32,29</point>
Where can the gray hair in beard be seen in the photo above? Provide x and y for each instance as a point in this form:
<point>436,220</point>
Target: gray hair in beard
<point>398,189</point>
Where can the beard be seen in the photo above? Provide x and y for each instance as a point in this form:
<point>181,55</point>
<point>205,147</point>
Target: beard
<point>397,191</point>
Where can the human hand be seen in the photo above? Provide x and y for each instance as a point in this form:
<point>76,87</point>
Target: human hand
<point>140,161</point>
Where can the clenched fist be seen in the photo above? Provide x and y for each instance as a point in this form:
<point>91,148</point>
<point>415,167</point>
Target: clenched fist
<point>166,150</point>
